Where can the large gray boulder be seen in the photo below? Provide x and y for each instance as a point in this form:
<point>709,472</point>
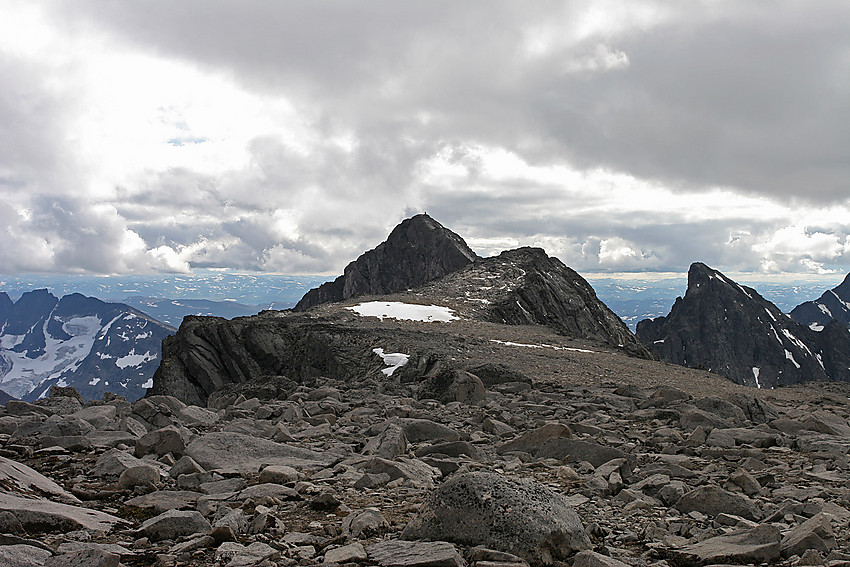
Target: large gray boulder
<point>38,515</point>
<point>175,523</point>
<point>522,517</point>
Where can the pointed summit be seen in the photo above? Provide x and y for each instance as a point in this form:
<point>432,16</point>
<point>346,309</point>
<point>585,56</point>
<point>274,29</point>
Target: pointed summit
<point>731,330</point>
<point>417,251</point>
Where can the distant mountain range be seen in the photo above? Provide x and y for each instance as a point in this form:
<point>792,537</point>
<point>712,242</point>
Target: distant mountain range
<point>172,311</point>
<point>78,341</point>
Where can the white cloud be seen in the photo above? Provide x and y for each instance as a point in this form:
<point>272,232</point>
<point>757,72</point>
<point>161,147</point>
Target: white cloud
<point>618,136</point>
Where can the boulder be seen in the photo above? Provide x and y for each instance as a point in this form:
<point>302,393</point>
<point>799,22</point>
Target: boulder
<point>22,555</point>
<point>173,524</point>
<point>758,545</point>
<point>237,453</point>
<point>713,500</point>
<point>518,516</point>
<point>531,441</point>
<point>40,515</point>
<point>577,450</point>
<point>815,533</point>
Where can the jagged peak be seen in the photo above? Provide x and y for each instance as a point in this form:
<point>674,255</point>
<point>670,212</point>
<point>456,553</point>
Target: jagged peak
<point>701,277</point>
<point>411,230</point>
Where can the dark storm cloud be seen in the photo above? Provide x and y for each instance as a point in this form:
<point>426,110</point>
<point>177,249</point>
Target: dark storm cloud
<point>714,94</point>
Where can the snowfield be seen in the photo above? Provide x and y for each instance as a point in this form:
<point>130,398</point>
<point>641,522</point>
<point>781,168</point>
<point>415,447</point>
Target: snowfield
<point>404,311</point>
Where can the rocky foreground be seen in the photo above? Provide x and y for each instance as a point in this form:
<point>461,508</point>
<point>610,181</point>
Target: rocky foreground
<point>361,473</point>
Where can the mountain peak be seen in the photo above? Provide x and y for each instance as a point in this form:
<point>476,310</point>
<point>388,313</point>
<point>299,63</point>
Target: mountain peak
<point>418,250</point>
<point>730,329</point>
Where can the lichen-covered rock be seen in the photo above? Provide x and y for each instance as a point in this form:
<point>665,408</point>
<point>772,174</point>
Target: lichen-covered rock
<point>518,516</point>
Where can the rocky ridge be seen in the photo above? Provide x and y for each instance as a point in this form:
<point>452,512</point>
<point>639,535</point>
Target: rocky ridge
<point>731,330</point>
<point>563,469</point>
<point>418,250</point>
<point>523,289</point>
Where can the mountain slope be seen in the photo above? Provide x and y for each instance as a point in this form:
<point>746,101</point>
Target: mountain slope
<point>527,287</point>
<point>832,305</point>
<point>731,330</point>
<point>416,251</point>
<point>77,341</point>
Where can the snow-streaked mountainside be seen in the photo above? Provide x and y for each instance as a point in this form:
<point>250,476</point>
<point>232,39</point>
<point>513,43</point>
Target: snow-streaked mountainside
<point>78,341</point>
<point>730,329</point>
<point>832,305</point>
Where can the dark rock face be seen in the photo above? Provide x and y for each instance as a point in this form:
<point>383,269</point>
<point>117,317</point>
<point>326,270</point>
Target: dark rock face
<point>76,341</point>
<point>209,353</point>
<point>731,330</point>
<point>418,250</point>
<point>832,305</point>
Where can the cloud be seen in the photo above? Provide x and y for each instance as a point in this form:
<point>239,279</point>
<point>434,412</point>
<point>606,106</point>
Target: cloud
<point>292,136</point>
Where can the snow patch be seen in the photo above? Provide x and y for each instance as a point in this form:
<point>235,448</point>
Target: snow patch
<point>404,311</point>
<point>393,360</point>
<point>756,371</point>
<point>134,359</point>
<point>148,384</point>
<point>790,357</point>
<point>825,310</point>
<point>94,381</point>
<point>553,347</point>
<point>815,327</point>
<point>800,344</point>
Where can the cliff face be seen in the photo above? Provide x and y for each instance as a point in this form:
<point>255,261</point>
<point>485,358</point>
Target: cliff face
<point>211,353</point>
<point>732,330</point>
<point>418,250</point>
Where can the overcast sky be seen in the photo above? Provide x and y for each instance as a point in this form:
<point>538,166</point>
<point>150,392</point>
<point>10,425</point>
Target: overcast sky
<point>291,136</point>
